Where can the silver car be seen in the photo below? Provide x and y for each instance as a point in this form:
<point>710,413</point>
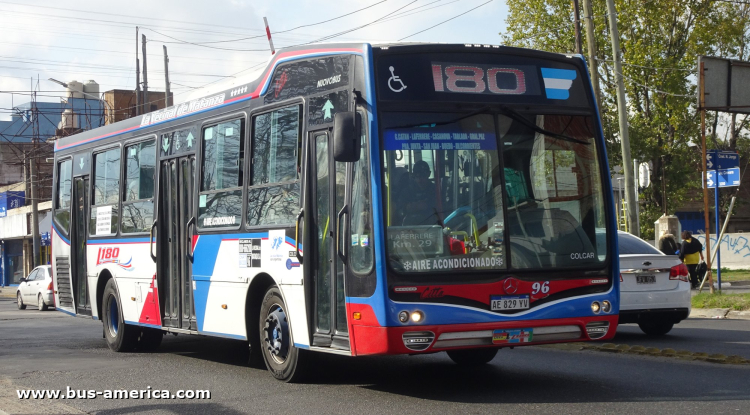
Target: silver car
<point>654,288</point>
<point>36,289</point>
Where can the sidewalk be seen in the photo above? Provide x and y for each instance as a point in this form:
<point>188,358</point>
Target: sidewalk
<point>7,292</point>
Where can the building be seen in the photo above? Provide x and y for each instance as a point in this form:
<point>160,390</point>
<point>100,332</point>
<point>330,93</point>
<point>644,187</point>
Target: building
<point>31,131</point>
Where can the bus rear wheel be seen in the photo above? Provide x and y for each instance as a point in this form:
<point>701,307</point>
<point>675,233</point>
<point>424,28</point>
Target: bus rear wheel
<point>283,360</point>
<point>472,357</point>
<point>120,337</point>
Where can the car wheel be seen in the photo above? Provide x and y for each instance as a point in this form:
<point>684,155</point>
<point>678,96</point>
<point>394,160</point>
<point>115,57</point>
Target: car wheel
<point>40,303</point>
<point>285,362</point>
<point>656,329</point>
<point>472,357</point>
<point>19,300</point>
<point>120,336</point>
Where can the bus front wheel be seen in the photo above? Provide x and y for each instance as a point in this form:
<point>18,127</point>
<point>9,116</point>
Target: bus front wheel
<point>283,360</point>
<point>120,337</point>
<point>472,357</point>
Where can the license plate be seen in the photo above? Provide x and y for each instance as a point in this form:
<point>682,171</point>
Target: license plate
<point>507,302</point>
<point>512,336</point>
<point>645,279</point>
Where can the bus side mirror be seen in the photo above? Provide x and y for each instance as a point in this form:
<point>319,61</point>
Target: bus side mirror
<point>347,127</point>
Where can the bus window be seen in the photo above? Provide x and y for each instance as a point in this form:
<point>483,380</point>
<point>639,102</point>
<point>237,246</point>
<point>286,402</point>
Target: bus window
<point>62,205</point>
<point>220,200</point>
<point>361,252</point>
<point>104,211</point>
<point>553,187</point>
<point>273,196</point>
<point>138,202</point>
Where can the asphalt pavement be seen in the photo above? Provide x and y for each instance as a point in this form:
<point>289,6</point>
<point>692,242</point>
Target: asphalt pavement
<point>50,350</point>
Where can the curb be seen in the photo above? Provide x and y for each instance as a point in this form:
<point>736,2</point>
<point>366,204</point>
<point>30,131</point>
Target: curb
<point>719,313</point>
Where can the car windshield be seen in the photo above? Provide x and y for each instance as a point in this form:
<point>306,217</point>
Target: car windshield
<point>482,191</point>
<point>630,245</point>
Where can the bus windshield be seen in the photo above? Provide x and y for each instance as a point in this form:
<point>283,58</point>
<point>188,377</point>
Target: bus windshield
<point>484,191</point>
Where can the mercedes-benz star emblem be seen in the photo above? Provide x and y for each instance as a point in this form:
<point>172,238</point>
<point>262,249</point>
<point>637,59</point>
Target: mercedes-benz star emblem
<point>510,285</point>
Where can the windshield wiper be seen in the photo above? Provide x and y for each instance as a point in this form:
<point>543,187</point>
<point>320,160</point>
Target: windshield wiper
<point>511,113</point>
<point>455,120</point>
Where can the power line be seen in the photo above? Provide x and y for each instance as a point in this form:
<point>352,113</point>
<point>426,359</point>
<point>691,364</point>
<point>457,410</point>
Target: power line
<point>445,21</point>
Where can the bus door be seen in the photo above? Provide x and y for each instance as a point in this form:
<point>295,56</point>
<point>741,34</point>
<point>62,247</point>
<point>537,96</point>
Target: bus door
<point>326,201</point>
<point>174,249</point>
<point>79,233</point>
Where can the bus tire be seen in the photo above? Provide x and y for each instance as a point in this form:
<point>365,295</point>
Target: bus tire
<point>472,357</point>
<point>656,329</point>
<point>150,339</point>
<point>120,336</point>
<point>285,362</point>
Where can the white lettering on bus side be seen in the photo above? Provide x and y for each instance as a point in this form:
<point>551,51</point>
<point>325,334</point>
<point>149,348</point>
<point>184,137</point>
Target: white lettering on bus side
<point>329,81</point>
<point>222,220</point>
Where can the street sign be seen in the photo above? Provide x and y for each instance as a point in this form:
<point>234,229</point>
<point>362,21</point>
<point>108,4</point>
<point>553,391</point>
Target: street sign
<point>727,178</point>
<point>724,159</point>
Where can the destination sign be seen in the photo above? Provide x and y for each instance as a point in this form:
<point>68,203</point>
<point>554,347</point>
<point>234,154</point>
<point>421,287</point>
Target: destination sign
<point>426,139</point>
<point>480,77</point>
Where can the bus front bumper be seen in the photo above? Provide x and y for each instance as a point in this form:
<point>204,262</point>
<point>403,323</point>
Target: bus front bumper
<point>371,340</point>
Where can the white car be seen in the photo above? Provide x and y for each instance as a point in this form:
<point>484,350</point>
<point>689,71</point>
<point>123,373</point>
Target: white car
<point>654,288</point>
<point>36,289</point>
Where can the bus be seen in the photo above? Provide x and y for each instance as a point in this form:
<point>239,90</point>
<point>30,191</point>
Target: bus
<point>355,199</point>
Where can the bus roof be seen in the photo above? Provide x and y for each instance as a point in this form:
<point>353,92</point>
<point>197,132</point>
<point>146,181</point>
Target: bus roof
<point>246,88</point>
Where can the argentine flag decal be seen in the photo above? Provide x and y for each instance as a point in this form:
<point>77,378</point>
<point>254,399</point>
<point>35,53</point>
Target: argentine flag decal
<point>557,82</point>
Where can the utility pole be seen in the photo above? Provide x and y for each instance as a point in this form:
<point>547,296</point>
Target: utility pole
<point>577,13</point>
<point>627,161</point>
<point>702,104</point>
<point>167,101</point>
<point>137,77</point>
<point>34,179</point>
<point>145,99</point>
<point>591,46</point>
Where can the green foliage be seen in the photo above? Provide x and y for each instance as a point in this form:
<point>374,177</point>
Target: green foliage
<point>660,43</point>
<point>737,302</point>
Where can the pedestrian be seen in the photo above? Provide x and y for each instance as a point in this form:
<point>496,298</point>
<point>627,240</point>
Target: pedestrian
<point>667,243</point>
<point>691,253</point>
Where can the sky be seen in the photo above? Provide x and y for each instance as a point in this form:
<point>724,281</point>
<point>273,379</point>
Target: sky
<point>96,40</point>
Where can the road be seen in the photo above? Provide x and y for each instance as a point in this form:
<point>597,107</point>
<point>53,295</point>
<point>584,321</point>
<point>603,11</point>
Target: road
<point>54,351</point>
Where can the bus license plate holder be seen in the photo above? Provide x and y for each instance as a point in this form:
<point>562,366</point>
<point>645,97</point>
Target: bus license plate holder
<point>645,279</point>
<point>509,302</point>
<point>511,336</point>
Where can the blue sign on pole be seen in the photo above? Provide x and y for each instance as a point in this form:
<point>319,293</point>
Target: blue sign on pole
<point>722,160</point>
<point>727,178</point>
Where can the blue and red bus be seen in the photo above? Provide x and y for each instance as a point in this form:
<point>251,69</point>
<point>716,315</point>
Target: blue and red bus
<point>354,199</point>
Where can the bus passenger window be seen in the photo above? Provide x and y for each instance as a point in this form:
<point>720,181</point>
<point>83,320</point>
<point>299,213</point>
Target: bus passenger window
<point>220,200</point>
<point>138,202</point>
<point>104,210</point>
<point>273,197</point>
<point>62,205</point>
<point>361,225</point>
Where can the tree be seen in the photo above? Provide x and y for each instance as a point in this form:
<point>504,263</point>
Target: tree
<point>661,42</point>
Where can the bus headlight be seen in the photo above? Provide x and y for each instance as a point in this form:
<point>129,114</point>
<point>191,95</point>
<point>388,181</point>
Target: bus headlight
<point>417,316</point>
<point>606,306</point>
<point>595,307</point>
<point>403,316</point>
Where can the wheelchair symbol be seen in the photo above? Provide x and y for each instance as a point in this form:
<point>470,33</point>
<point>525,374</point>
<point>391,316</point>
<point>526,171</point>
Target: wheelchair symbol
<point>395,79</point>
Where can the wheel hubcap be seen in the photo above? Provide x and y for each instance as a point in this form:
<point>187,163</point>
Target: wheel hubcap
<point>113,321</point>
<point>18,297</point>
<point>276,334</point>
<point>41,302</point>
